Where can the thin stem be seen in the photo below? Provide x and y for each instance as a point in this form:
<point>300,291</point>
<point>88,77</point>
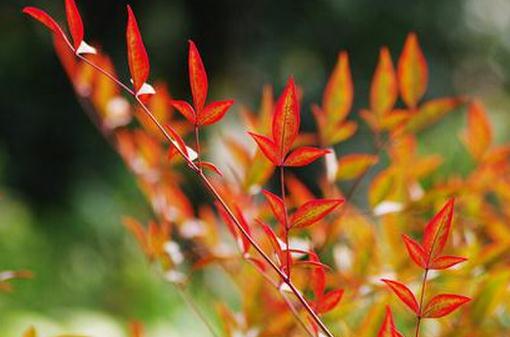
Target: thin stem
<point>196,310</point>
<point>197,145</point>
<point>286,221</point>
<point>204,179</point>
<point>422,296</point>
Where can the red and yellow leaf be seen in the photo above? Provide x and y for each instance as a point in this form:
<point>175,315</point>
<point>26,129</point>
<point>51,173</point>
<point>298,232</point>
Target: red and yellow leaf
<point>444,262</point>
<point>437,230</point>
<point>415,251</point>
<point>304,155</point>
<point>312,211</point>
<point>405,295</point>
<point>478,135</point>
<point>213,112</point>
<point>338,95</point>
<point>197,78</point>
<point>384,88</point>
<point>267,146</point>
<point>74,23</point>
<point>412,72</point>
<point>138,59</point>
<point>286,120</point>
<point>351,166</point>
<point>442,305</point>
<point>277,206</point>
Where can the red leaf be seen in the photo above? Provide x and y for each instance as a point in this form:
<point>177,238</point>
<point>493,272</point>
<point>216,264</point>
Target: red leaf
<point>213,112</point>
<point>46,20</point>
<point>405,295</point>
<point>442,305</point>
<point>197,77</point>
<point>415,251</point>
<point>286,120</point>
<point>388,328</point>
<point>444,262</point>
<point>437,230</point>
<point>210,166</point>
<point>412,72</point>
<point>312,211</point>
<point>318,278</point>
<point>267,146</point>
<point>329,301</point>
<point>277,206</point>
<point>137,55</point>
<point>74,23</point>
<point>185,109</point>
<point>304,155</point>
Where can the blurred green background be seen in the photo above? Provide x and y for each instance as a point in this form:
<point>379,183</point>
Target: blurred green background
<point>64,190</point>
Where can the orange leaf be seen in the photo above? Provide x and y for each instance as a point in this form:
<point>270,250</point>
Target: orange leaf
<point>388,328</point>
<point>442,305</point>
<point>197,77</point>
<point>329,301</point>
<point>437,230</point>
<point>267,146</point>
<point>137,55</point>
<point>303,156</point>
<point>478,136</point>
<point>46,20</point>
<point>415,251</point>
<point>352,166</point>
<point>286,120</point>
<point>412,72</point>
<point>338,95</point>
<point>431,111</point>
<point>405,295</point>
<point>384,88</point>
<point>312,211</point>
<point>277,206</point>
<point>444,262</point>
<point>213,112</point>
<point>185,109</point>
<point>74,23</point>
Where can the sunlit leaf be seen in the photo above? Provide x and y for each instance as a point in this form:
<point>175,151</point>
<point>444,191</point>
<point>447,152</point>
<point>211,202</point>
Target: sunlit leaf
<point>304,155</point>
<point>478,135</point>
<point>338,95</point>
<point>286,119</point>
<point>384,88</point>
<point>138,59</point>
<point>213,112</point>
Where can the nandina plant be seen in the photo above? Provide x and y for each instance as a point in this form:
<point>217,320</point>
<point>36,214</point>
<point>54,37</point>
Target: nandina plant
<point>306,264</point>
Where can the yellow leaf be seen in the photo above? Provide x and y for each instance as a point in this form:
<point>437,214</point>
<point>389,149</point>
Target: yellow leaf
<point>338,95</point>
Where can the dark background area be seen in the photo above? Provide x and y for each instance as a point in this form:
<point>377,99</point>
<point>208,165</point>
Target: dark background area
<point>64,190</point>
